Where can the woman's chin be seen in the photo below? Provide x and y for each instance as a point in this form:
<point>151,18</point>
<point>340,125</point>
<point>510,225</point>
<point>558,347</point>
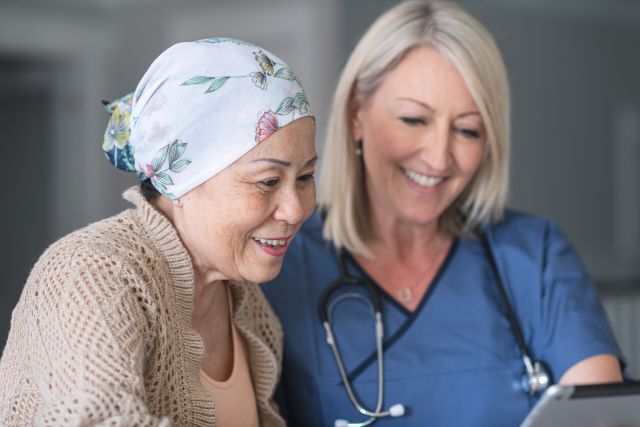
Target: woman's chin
<point>266,275</point>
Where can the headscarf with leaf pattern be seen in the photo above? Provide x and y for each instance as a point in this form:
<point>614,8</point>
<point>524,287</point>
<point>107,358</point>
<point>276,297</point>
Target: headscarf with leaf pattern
<point>200,107</point>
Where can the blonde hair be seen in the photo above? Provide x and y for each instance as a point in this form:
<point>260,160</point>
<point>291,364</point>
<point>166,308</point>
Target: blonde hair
<point>470,48</point>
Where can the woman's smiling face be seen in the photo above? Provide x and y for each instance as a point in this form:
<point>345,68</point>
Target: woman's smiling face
<point>423,138</point>
<point>238,224</point>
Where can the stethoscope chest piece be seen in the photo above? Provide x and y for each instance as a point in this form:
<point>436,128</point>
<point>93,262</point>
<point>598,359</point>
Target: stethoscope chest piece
<point>536,378</point>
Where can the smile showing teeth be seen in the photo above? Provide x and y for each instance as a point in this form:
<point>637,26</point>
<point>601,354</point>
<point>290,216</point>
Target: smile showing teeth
<point>422,180</point>
<point>269,242</point>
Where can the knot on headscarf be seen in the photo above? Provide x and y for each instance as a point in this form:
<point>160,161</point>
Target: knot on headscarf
<point>199,107</point>
<point>116,136</point>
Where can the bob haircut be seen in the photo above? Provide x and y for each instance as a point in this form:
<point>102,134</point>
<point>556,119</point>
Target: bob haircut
<point>460,38</point>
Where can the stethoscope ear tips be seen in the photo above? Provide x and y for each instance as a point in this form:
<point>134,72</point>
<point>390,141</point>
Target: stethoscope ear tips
<point>341,423</point>
<point>396,410</point>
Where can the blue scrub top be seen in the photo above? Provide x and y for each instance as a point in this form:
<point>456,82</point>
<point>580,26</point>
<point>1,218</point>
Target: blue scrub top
<point>454,361</point>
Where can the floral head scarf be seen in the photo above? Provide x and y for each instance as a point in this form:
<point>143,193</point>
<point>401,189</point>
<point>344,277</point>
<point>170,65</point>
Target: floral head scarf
<point>200,107</point>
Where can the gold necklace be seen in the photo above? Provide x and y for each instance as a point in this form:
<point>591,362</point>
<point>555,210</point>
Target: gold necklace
<point>405,295</point>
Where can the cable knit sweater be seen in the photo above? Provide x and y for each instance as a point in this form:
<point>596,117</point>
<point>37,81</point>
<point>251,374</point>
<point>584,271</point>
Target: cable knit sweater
<point>102,332</point>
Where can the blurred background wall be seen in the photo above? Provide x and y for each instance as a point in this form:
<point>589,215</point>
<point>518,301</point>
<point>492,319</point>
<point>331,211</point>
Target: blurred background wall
<point>574,67</point>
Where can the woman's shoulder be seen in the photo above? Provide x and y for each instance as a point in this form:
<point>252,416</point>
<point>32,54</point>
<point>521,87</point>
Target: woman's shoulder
<point>535,241</point>
<point>95,258</point>
<point>521,228</point>
<point>83,274</point>
<point>138,233</point>
<point>517,220</point>
<point>135,254</point>
<point>106,238</point>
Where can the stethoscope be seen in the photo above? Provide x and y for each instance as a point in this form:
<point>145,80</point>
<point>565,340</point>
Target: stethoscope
<point>535,380</point>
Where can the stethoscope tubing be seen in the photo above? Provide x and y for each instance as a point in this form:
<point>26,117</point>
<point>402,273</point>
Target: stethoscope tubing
<point>538,378</point>
<point>336,354</point>
<point>325,314</point>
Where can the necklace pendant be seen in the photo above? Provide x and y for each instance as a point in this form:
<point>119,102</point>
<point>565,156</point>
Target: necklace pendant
<point>405,295</point>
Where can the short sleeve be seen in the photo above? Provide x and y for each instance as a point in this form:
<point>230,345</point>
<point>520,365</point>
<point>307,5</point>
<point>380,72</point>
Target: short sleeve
<point>572,318</point>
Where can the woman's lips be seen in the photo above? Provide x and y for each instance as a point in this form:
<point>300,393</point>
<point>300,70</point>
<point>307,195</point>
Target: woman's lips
<point>275,246</point>
<point>423,183</point>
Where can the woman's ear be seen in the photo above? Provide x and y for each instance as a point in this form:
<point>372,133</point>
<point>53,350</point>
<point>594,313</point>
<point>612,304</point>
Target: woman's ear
<point>355,113</point>
<point>167,207</point>
<point>356,126</point>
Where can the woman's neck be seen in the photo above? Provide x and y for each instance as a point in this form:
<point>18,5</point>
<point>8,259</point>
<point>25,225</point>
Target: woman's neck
<point>210,316</point>
<point>406,257</point>
<point>211,319</point>
<point>207,295</point>
<point>402,240</point>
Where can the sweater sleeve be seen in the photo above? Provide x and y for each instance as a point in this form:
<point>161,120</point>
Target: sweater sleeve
<point>89,328</point>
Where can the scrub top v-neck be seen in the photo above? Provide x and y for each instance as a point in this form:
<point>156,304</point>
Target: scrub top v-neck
<point>453,361</point>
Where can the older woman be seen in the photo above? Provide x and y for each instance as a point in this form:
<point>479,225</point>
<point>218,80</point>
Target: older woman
<point>152,317</point>
<point>481,307</point>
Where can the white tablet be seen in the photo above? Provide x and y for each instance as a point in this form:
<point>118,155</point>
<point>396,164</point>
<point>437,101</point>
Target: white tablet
<point>600,405</point>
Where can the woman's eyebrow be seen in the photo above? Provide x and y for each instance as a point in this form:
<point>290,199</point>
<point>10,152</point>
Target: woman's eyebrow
<point>415,101</point>
<point>428,107</point>
<point>469,113</point>
<point>283,162</point>
<point>271,160</point>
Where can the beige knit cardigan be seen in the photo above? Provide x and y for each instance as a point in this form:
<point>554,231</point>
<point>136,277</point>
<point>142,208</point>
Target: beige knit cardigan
<point>102,333</point>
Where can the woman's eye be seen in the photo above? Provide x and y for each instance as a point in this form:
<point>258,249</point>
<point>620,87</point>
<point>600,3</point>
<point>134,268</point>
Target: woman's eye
<point>306,177</point>
<point>272,182</point>
<point>469,133</point>
<point>413,121</point>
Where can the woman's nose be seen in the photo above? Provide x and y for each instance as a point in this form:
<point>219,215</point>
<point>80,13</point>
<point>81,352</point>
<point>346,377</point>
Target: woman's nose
<point>290,207</point>
<point>437,148</point>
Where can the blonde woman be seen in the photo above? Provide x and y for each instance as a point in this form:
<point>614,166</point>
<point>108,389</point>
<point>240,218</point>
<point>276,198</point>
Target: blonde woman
<point>153,317</point>
<point>481,307</point>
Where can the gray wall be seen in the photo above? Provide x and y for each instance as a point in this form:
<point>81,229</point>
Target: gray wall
<point>25,107</point>
<point>570,76</point>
